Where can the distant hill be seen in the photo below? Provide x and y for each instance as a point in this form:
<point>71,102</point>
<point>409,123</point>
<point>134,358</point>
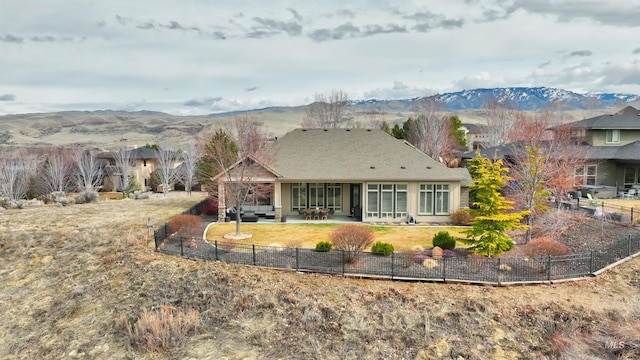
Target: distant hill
<point>109,128</point>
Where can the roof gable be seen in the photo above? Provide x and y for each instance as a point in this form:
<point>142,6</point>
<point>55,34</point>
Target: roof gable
<point>354,155</point>
<point>627,118</point>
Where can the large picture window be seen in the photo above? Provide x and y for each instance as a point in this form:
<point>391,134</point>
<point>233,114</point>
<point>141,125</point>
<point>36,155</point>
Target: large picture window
<point>312,195</point>
<point>387,201</point>
<point>434,199</point>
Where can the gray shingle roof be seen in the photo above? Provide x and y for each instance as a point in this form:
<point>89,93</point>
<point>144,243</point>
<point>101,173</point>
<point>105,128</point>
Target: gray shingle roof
<point>355,155</point>
<point>627,118</point>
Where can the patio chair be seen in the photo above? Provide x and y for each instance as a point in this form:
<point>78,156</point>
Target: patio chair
<point>630,194</point>
<point>592,201</point>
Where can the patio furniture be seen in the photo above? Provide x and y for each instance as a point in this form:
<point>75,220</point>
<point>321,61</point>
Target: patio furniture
<point>249,216</point>
<point>630,194</point>
<point>592,201</point>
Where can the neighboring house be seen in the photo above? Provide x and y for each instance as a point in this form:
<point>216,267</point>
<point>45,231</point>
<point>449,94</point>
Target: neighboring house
<point>145,163</point>
<point>608,144</point>
<point>613,149</point>
<point>364,173</point>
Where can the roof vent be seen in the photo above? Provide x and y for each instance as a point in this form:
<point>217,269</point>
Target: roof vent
<point>402,167</point>
<point>428,167</point>
<point>348,129</point>
<point>325,130</point>
<point>369,130</point>
<point>304,129</point>
<point>372,167</point>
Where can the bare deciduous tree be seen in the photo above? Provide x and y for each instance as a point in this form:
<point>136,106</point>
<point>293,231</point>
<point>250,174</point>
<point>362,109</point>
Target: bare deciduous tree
<point>431,130</point>
<point>239,155</point>
<point>542,165</point>
<point>88,169</point>
<point>56,173</point>
<point>191,154</point>
<point>500,115</point>
<point>124,164</point>
<point>16,172</point>
<point>330,110</point>
<point>167,167</point>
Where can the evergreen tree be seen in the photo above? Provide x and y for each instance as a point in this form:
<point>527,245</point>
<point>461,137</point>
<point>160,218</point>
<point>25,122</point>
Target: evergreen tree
<point>487,235</point>
<point>458,133</point>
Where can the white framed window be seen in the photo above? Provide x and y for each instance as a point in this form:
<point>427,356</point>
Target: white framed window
<point>298,196</point>
<point>387,201</point>
<point>613,136</point>
<point>334,196</point>
<point>434,199</point>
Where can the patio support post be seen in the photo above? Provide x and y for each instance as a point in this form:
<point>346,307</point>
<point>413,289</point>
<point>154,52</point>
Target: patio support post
<point>277,201</point>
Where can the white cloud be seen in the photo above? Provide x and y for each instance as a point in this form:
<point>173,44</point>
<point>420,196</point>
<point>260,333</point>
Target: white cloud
<point>235,55</point>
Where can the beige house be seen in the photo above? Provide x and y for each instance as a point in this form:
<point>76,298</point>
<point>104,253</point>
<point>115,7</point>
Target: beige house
<point>145,162</point>
<point>363,173</point>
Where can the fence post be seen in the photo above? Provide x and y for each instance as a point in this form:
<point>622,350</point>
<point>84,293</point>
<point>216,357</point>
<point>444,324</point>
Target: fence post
<point>181,247</point>
<point>498,272</point>
<point>216,243</point>
<point>297,259</point>
<point>629,246</point>
<point>444,269</point>
<point>253,247</point>
<point>549,267</point>
<point>165,231</point>
<point>632,215</point>
<point>591,263</point>
<point>393,256</point>
<point>343,261</point>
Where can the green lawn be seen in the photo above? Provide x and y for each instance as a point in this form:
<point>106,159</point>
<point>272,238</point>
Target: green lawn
<point>403,238</point>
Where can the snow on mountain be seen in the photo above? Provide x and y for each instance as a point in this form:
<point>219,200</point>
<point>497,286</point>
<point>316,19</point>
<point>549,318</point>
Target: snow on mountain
<point>523,98</point>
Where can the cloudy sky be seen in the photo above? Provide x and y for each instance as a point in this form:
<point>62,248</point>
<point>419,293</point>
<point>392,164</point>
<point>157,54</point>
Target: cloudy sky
<point>198,56</point>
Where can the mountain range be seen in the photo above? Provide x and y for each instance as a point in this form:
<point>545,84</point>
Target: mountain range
<point>114,128</point>
<point>522,98</point>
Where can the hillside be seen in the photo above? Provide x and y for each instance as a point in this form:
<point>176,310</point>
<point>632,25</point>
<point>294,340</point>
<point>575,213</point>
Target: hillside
<point>71,282</point>
<point>109,129</point>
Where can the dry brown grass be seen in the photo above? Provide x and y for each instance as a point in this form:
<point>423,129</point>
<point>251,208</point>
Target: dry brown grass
<point>71,277</point>
<point>403,238</point>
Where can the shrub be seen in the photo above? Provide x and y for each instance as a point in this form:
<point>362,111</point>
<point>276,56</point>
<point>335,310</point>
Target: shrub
<point>188,225</point>
<point>163,329</point>
<point>380,248</point>
<point>545,247</point>
<point>323,246</point>
<point>209,207</point>
<point>352,239</point>
<point>87,196</point>
<point>461,217</point>
<point>444,240</point>
<point>137,195</point>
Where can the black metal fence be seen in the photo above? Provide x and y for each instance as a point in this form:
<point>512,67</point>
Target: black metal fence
<point>404,266</point>
<point>599,208</point>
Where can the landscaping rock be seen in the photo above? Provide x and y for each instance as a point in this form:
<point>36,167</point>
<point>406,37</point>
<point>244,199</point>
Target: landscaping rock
<point>437,252</point>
